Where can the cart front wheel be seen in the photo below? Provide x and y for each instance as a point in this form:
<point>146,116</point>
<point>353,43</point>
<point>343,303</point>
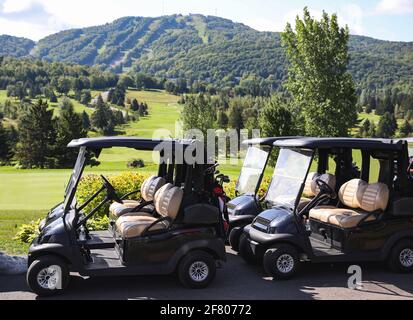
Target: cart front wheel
<point>281,262</point>
<point>401,257</point>
<point>234,238</point>
<point>197,270</point>
<point>47,276</point>
<point>246,252</point>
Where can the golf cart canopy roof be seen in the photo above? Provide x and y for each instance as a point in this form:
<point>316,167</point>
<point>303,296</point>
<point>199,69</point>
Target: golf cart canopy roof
<point>353,143</point>
<point>127,142</point>
<point>266,141</point>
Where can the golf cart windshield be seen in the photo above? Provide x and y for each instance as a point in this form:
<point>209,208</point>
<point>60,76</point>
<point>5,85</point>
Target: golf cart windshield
<point>74,178</point>
<point>289,175</point>
<point>253,169</point>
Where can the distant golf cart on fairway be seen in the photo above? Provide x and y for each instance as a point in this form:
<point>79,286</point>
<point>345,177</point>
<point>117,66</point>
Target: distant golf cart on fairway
<point>247,205</point>
<point>335,215</point>
<point>177,226</point>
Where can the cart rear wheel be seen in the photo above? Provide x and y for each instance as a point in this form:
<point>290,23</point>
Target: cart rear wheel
<point>246,252</point>
<point>401,257</point>
<point>234,238</point>
<point>281,262</point>
<point>197,270</point>
<point>47,276</point>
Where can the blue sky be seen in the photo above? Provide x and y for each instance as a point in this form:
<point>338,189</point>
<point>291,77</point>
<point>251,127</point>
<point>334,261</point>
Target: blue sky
<point>382,19</point>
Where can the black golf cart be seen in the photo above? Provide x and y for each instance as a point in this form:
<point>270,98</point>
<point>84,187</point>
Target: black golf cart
<point>247,205</point>
<point>181,231</point>
<point>335,215</point>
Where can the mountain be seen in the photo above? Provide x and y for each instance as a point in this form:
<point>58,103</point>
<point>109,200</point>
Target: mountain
<point>212,49</point>
<point>14,46</point>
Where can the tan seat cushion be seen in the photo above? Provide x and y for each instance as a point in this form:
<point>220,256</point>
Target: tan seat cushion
<point>308,187</point>
<point>322,213</point>
<point>343,218</point>
<point>348,219</point>
<point>118,209</point>
<point>148,190</point>
<point>168,201</point>
<point>355,194</point>
<point>134,226</point>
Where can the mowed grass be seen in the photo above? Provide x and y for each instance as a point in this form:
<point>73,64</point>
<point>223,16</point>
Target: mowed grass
<point>10,221</point>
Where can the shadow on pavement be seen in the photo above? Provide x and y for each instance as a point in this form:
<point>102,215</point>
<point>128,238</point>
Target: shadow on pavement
<point>236,281</point>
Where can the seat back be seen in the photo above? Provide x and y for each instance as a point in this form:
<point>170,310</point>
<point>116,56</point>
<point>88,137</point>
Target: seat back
<point>375,197</point>
<point>358,194</point>
<point>168,201</point>
<point>308,188</point>
<point>311,189</point>
<point>150,187</point>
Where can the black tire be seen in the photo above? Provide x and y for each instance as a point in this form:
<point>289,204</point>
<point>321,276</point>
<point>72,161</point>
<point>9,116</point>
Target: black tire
<point>281,262</point>
<point>40,265</point>
<point>234,238</point>
<point>245,250</point>
<point>401,259</point>
<point>197,261</point>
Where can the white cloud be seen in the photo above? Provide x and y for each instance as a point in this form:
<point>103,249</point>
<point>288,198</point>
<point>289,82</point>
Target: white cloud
<point>11,6</point>
<point>395,7</point>
<point>352,15</point>
<point>20,29</point>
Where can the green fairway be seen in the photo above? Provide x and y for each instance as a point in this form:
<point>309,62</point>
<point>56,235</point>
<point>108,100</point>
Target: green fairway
<point>10,220</point>
<point>41,189</point>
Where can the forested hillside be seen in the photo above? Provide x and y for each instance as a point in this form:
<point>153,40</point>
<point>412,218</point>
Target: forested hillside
<point>213,50</point>
<point>14,46</point>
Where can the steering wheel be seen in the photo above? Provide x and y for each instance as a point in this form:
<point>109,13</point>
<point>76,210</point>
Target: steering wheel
<point>111,190</point>
<point>325,188</point>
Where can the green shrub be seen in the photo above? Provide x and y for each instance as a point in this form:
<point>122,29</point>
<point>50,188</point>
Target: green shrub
<point>136,163</point>
<point>230,188</point>
<point>98,224</point>
<point>123,183</point>
<point>28,232</point>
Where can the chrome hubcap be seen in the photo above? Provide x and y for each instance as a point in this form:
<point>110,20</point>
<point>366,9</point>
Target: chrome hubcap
<point>198,271</point>
<point>285,263</point>
<point>406,258</point>
<point>49,278</point>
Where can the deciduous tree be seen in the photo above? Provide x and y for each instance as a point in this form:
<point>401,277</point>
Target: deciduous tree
<point>318,78</point>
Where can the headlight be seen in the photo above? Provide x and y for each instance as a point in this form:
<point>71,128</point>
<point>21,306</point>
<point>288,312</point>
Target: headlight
<point>42,224</point>
<point>272,230</point>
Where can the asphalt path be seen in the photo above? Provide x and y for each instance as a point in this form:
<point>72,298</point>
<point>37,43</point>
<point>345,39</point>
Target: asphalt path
<point>236,281</point>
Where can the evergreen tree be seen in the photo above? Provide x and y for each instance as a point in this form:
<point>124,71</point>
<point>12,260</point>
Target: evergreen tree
<point>387,126</point>
<point>5,147</point>
<point>69,126</point>
<point>102,119</point>
<point>86,97</point>
<point>222,120</point>
<point>373,131</point>
<point>52,97</point>
<point>365,128</point>
<point>134,105</point>
<point>318,78</point>
<point>65,103</point>
<point>85,121</point>
<point>406,129</point>
<point>36,137</point>
<point>235,119</point>
<point>275,119</point>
